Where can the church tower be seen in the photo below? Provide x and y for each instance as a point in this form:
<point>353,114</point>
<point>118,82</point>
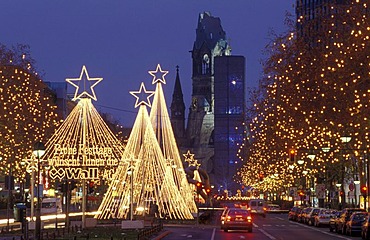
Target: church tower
<point>178,111</point>
<point>210,42</point>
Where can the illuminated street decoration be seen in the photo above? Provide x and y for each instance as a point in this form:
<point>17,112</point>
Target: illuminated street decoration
<point>88,85</point>
<point>83,147</point>
<point>158,75</point>
<point>163,130</point>
<point>310,99</point>
<point>143,175</point>
<point>142,96</point>
<point>189,158</point>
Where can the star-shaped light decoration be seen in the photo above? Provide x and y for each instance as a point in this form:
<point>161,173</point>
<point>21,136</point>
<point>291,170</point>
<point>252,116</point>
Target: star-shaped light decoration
<point>142,96</point>
<point>189,157</point>
<point>158,75</point>
<point>31,164</point>
<point>87,90</point>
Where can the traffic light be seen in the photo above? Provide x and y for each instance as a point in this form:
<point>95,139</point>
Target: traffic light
<point>90,187</point>
<point>199,186</point>
<point>292,154</point>
<point>364,190</point>
<point>260,176</point>
<point>208,191</point>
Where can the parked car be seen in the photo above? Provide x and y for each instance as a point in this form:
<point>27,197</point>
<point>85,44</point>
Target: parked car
<point>344,217</point>
<point>293,213</point>
<point>296,213</point>
<point>237,218</point>
<point>333,221</point>
<point>303,217</point>
<point>365,228</point>
<point>323,217</point>
<point>310,216</point>
<point>355,222</point>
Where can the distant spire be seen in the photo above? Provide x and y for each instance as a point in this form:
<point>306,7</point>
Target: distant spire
<point>178,110</point>
<point>177,95</point>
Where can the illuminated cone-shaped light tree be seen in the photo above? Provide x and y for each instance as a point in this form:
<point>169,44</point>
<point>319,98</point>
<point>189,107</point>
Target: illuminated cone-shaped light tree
<point>83,147</point>
<point>142,180</point>
<point>163,130</point>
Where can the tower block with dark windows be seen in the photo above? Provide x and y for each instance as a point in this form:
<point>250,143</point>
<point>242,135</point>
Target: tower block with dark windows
<point>229,116</point>
<point>204,112</point>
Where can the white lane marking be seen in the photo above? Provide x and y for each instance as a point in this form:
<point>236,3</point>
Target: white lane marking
<point>327,233</point>
<point>213,234</point>
<point>255,225</point>
<point>267,234</point>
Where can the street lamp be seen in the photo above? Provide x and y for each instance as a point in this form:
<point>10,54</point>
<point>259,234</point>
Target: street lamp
<point>38,151</point>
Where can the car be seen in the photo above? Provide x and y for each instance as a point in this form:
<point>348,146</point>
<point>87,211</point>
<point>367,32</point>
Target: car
<point>310,216</point>
<point>271,208</point>
<point>223,217</point>
<point>303,216</point>
<point>293,213</point>
<point>355,222</point>
<point>365,228</point>
<point>344,217</point>
<point>257,206</point>
<point>323,217</point>
<point>237,219</point>
<point>333,220</point>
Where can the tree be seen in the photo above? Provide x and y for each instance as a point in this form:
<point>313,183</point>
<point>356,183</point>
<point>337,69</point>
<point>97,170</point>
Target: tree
<point>314,90</point>
<point>27,109</point>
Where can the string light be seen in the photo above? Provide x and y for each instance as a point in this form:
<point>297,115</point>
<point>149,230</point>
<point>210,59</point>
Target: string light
<point>145,174</point>
<point>312,93</point>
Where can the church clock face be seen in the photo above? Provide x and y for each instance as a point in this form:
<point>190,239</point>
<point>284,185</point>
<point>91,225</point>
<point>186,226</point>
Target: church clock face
<point>206,58</point>
<point>194,103</point>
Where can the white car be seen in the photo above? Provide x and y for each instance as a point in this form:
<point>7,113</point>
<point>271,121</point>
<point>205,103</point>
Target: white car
<point>323,217</point>
<point>257,206</point>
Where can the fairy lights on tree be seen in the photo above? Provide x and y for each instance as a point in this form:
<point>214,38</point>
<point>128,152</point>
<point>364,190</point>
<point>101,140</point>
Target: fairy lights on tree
<point>27,109</point>
<point>312,93</point>
<point>142,178</point>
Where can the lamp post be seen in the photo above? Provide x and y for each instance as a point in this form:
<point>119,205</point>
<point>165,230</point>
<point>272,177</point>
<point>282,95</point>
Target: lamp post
<point>38,151</point>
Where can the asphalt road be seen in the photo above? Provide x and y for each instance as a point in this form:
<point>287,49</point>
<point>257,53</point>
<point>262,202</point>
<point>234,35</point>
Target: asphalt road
<point>273,227</point>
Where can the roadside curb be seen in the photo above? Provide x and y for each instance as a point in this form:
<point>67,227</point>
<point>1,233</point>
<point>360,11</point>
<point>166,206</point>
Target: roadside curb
<point>162,235</point>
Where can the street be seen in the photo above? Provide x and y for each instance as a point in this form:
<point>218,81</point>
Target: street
<point>274,226</point>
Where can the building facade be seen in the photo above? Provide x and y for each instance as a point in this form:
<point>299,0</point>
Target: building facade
<point>229,86</point>
<point>208,118</point>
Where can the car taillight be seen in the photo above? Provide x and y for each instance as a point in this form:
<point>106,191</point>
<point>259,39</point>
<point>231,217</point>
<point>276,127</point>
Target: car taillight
<point>264,209</point>
<point>228,218</point>
<point>249,219</point>
<point>249,208</point>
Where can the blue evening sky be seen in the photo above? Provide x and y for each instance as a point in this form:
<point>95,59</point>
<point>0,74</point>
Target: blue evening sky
<point>121,40</point>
